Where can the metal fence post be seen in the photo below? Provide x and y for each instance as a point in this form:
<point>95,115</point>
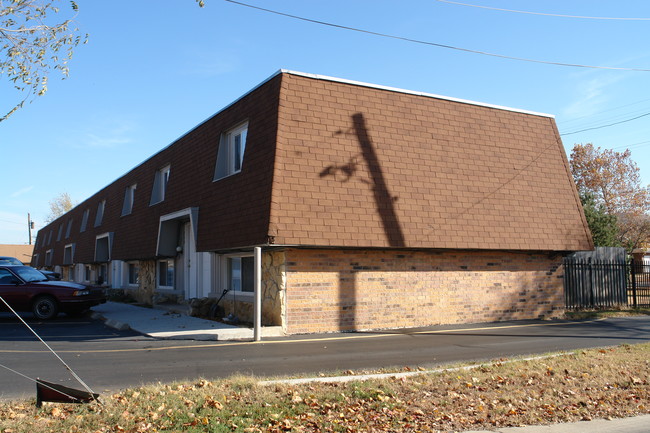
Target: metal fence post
<point>591,283</point>
<point>633,276</point>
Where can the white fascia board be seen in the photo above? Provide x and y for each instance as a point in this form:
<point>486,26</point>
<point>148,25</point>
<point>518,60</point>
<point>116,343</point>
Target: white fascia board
<point>410,92</point>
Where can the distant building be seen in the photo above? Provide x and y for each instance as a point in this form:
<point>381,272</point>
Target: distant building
<point>21,252</point>
<point>375,207</point>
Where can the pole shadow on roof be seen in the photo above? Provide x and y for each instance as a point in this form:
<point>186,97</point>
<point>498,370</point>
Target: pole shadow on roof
<point>384,204</point>
<point>384,201</point>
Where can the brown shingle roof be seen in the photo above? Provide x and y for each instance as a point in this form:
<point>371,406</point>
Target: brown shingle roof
<point>358,166</point>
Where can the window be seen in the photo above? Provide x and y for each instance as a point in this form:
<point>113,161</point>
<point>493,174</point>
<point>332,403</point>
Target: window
<point>240,273</point>
<point>129,196</point>
<point>100,213</point>
<point>230,155</point>
<point>49,238</point>
<point>84,221</point>
<point>48,258</point>
<point>160,185</point>
<point>68,254</point>
<point>35,260</point>
<point>88,273</point>
<point>60,233</point>
<point>166,274</point>
<point>103,245</point>
<point>6,277</point>
<point>134,274</point>
<point>68,229</point>
<point>70,273</point>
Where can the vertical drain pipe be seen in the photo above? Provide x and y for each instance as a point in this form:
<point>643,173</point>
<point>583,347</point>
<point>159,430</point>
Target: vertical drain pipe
<point>257,306</point>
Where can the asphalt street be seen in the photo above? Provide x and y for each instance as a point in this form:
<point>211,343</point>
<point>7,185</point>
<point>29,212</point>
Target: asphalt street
<point>108,360</point>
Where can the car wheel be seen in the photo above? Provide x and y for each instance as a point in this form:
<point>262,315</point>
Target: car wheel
<point>45,308</point>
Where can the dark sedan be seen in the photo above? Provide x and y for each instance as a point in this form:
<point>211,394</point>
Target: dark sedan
<point>26,289</point>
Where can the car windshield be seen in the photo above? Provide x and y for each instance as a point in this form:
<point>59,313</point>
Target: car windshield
<point>10,261</point>
<point>29,275</point>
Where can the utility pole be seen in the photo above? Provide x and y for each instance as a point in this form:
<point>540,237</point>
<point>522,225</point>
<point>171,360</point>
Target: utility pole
<point>30,227</point>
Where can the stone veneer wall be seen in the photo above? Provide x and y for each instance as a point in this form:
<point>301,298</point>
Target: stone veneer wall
<point>147,275</point>
<point>273,293</point>
<point>341,290</point>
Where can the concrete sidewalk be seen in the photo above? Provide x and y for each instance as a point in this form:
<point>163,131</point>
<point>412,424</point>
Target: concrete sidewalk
<point>637,424</point>
<point>165,324</point>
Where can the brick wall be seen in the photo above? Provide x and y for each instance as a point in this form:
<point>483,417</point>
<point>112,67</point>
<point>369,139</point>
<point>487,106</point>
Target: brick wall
<point>330,290</point>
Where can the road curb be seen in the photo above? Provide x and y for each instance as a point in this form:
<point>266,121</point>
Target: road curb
<point>115,324</point>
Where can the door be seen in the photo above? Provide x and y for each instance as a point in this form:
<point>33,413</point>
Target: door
<point>185,280</point>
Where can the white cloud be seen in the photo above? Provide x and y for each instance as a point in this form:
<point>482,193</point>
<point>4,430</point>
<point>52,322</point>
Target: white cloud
<point>104,135</point>
<point>21,191</point>
<point>95,141</point>
<point>591,98</point>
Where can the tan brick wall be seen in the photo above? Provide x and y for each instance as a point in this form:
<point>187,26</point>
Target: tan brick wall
<point>330,290</point>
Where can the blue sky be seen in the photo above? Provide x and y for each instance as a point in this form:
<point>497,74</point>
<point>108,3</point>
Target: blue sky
<point>152,71</point>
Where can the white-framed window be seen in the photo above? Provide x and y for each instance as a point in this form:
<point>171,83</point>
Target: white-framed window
<point>166,274</point>
<point>100,213</point>
<point>160,185</point>
<point>134,274</point>
<point>238,272</point>
<point>230,155</point>
<point>129,197</point>
<point>68,254</point>
<point>48,258</point>
<point>84,221</point>
<point>68,229</point>
<point>103,244</point>
<point>35,260</point>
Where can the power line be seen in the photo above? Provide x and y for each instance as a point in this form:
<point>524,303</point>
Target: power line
<point>629,146</point>
<point>11,222</point>
<point>600,120</point>
<point>591,116</point>
<point>451,47</point>
<point>544,14</point>
<point>607,126</point>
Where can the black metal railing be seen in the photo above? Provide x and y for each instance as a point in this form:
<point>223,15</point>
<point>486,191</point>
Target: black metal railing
<point>606,284</point>
<point>639,285</point>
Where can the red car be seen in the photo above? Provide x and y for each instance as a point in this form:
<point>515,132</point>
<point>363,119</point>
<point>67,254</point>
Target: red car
<point>26,289</point>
